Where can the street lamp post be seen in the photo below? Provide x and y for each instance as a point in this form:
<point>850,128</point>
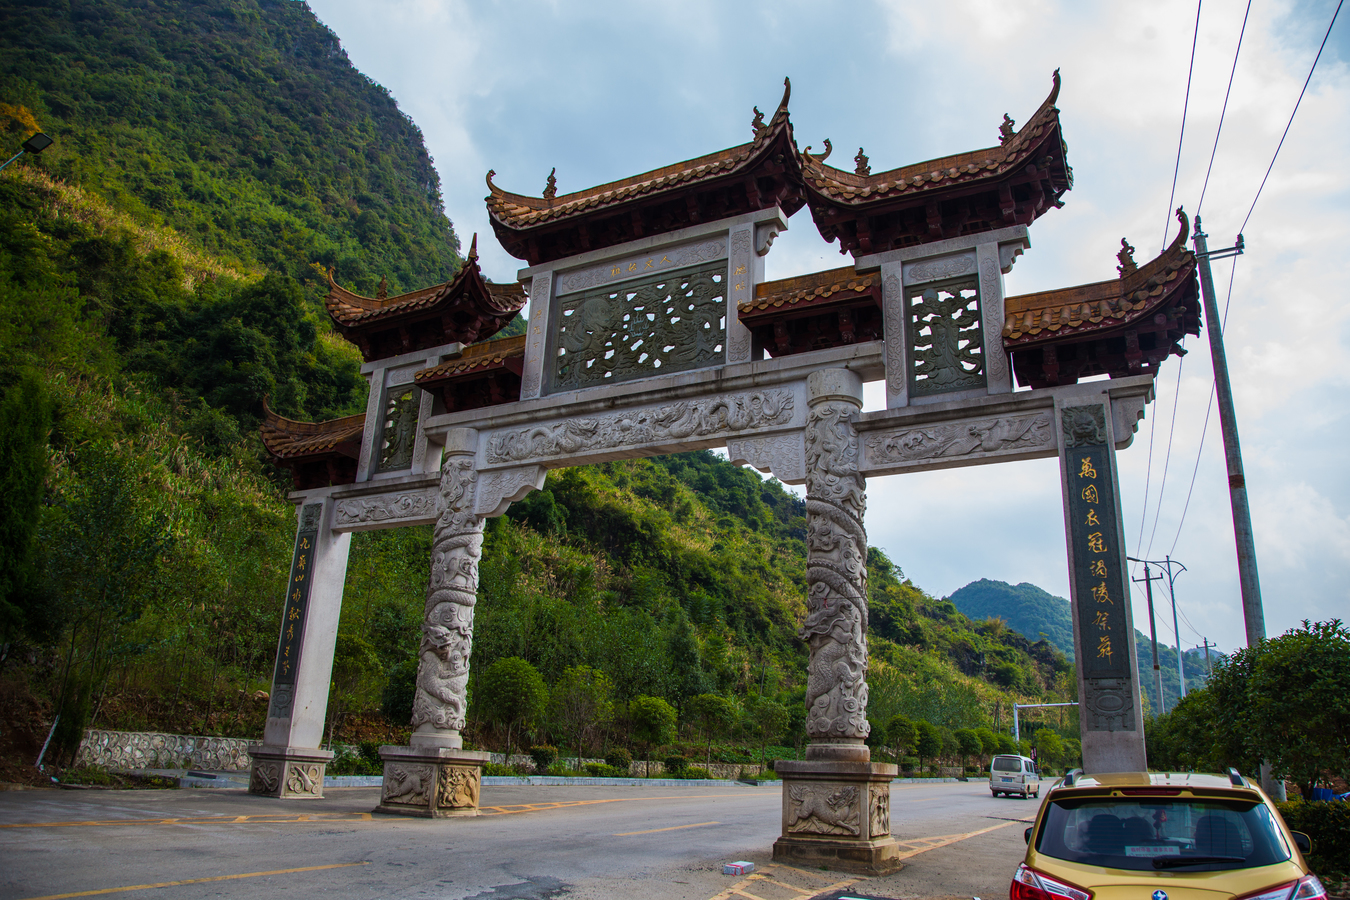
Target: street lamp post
<point>35,144</point>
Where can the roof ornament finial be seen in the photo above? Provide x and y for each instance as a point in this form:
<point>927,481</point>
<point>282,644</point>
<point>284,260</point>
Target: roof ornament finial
<point>382,292</point>
<point>829,148</point>
<point>473,247</point>
<point>551,186</point>
<point>863,167</point>
<point>757,123</point>
<point>1126,257</point>
<point>1005,131</point>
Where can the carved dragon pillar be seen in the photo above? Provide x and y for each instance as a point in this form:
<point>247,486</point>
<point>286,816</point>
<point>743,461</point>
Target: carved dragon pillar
<point>836,802</point>
<point>434,776</point>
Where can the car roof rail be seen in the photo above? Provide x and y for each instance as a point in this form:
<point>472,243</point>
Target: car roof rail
<point>1071,777</point>
<point>1235,778</point>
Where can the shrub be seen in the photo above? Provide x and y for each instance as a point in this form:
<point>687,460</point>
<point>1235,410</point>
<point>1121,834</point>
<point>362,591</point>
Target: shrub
<point>497,769</point>
<point>675,766</point>
<point>695,772</point>
<point>88,775</point>
<point>605,770</point>
<point>362,759</point>
<point>544,755</point>
<point>1327,825</point>
<point>620,758</point>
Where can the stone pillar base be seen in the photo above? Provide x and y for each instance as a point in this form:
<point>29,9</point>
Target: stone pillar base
<point>288,773</point>
<point>837,814</point>
<point>431,782</point>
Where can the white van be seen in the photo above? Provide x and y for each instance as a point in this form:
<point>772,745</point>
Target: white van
<point>1014,775</point>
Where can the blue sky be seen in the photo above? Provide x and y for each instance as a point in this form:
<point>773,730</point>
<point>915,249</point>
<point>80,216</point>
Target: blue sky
<point>605,90</point>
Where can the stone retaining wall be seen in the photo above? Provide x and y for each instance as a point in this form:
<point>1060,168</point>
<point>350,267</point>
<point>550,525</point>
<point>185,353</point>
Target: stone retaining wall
<point>152,750</point>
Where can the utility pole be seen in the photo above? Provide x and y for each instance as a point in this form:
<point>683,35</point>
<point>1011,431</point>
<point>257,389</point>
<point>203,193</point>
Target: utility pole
<point>1166,563</point>
<point>1253,615</point>
<point>1148,580</point>
<point>1209,667</point>
<point>1176,628</point>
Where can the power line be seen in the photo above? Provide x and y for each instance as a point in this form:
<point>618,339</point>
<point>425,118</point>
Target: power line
<point>1291,116</point>
<point>1167,459</point>
<point>1224,111</point>
<point>1167,222</point>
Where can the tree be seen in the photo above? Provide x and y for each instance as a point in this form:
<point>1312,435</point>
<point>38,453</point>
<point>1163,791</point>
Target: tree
<point>653,724</point>
<point>1284,701</point>
<point>512,694</point>
<point>579,702</point>
<point>25,419</point>
<point>354,661</point>
<point>901,734</point>
<point>969,743</point>
<point>767,719</point>
<point>1049,748</point>
<point>988,744</point>
<point>713,714</point>
<point>1003,743</point>
<point>686,666</point>
<point>929,741</point>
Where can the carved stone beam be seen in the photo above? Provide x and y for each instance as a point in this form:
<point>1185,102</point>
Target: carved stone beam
<point>406,505</point>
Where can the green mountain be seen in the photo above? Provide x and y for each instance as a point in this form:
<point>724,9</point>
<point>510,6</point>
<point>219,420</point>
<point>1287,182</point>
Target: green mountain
<point>1032,611</point>
<point>1026,608</point>
<point>157,280</point>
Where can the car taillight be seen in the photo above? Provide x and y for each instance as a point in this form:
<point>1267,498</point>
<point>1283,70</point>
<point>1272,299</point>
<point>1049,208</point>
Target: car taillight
<point>1306,888</point>
<point>1028,884</point>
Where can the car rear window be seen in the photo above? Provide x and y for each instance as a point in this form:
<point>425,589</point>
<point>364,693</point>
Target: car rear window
<point>1007,764</point>
<point>1153,833</point>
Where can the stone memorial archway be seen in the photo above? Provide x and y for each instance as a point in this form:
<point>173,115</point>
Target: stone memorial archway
<point>652,330</point>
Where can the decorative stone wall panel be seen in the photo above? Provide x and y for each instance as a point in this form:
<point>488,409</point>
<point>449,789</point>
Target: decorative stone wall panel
<point>395,507</point>
<point>126,750</point>
<point>823,809</point>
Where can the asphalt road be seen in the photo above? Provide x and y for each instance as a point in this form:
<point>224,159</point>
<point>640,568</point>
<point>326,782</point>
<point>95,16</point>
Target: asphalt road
<point>532,843</point>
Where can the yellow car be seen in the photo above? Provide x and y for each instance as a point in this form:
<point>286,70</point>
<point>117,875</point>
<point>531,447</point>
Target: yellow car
<point>1178,836</point>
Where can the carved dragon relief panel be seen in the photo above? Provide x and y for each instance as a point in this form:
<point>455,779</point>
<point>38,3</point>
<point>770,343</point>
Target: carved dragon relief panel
<point>971,438</point>
<point>782,455</point>
<point>945,337</point>
<point>396,507</point>
<point>654,326</point>
<point>671,422</point>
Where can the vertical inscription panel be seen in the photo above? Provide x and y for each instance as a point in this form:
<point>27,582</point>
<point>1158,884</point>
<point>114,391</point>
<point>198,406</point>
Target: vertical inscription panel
<point>293,614</point>
<point>1101,593</point>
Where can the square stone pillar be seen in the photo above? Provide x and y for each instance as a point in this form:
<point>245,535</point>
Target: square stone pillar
<point>431,782</point>
<point>1110,713</point>
<point>289,763</point>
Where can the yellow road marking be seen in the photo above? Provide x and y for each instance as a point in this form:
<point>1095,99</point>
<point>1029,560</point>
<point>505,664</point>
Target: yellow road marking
<point>293,818</point>
<point>926,844</point>
<point>671,828</point>
<point>741,888</point>
<point>146,887</point>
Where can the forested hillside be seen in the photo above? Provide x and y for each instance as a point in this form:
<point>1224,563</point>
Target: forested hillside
<point>158,277</point>
<point>1031,611</point>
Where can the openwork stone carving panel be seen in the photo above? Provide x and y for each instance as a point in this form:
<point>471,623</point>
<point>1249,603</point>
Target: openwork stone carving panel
<point>447,625</point>
<point>823,809</point>
<point>655,326</point>
<point>979,437</point>
<point>945,338</point>
<point>836,575</point>
<point>653,425</point>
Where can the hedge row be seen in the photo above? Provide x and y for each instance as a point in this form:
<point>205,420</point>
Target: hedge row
<point>1328,825</point>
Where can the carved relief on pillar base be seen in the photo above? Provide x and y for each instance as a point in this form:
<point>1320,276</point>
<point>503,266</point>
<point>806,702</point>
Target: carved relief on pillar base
<point>837,815</point>
<point>430,784</point>
<point>288,774</point>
